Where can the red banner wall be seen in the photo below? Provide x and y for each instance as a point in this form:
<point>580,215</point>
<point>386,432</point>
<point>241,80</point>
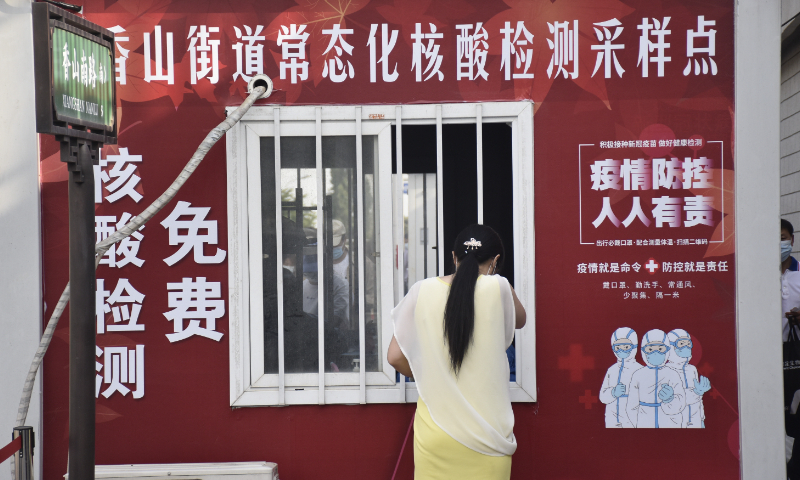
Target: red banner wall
<point>580,122</point>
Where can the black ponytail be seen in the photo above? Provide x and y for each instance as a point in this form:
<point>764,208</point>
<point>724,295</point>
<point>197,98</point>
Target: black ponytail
<point>459,312</point>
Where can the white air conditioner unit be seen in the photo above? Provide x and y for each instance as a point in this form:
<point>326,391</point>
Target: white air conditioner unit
<point>189,471</point>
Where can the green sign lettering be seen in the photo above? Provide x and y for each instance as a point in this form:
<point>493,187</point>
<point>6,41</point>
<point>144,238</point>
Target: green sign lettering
<point>82,79</point>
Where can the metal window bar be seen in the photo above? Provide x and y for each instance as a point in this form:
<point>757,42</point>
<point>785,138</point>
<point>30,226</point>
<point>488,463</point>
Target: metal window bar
<point>425,225</point>
<point>440,247</point>
<point>362,371</point>
<point>479,157</point>
<point>399,247</point>
<point>322,299</point>
<point>398,209</point>
<point>279,253</point>
<point>519,341</point>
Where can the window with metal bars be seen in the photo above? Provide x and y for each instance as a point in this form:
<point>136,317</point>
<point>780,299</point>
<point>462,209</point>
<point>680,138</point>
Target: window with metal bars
<point>335,211</point>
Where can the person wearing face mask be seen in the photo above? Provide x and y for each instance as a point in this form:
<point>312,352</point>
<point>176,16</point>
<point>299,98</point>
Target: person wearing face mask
<point>790,301</point>
<point>693,416</point>
<point>788,262</point>
<point>614,392</point>
<point>655,390</point>
<point>790,281</point>
<point>341,255</point>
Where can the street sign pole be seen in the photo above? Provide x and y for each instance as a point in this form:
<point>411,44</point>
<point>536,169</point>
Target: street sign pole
<point>76,102</point>
<point>80,156</point>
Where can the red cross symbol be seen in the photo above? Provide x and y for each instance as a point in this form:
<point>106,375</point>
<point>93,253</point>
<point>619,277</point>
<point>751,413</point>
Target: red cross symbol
<point>714,393</point>
<point>587,399</point>
<point>576,363</point>
<point>652,266</point>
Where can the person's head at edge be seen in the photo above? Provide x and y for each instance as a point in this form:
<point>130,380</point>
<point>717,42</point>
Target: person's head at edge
<point>477,249</point>
<point>787,242</point>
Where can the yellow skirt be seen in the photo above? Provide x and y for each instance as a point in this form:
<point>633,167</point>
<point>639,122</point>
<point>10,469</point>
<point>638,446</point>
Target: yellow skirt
<point>437,456</point>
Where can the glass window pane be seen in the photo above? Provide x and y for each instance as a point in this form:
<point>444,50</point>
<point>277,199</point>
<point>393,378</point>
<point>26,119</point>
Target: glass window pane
<point>419,211</point>
<point>341,250</point>
<point>298,201</point>
<point>460,183</point>
<point>300,263</point>
<point>419,202</point>
<point>299,211</point>
<point>269,251</point>
<point>372,288</point>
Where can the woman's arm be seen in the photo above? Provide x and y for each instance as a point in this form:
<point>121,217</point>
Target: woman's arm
<point>519,311</point>
<point>398,360</point>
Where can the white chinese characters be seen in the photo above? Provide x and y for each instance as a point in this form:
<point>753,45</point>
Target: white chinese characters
<point>659,173</point>
<point>124,303</point>
<point>517,43</point>
<point>194,300</point>
<point>564,45</point>
<point>200,46</point>
<point>292,40</point>
<point>388,42</point>
<point>122,172</point>
<point>335,68</point>
<point>121,366</point>
<point>646,174</point>
<point>692,36</point>
<point>472,49</point>
<point>431,52</point>
<point>666,210</point>
<point>159,74</point>
<point>431,44</point>
<point>128,248</point>
<point>124,52</point>
<point>193,239</point>
<point>249,56</point>
<point>647,47</point>
<point>607,55</point>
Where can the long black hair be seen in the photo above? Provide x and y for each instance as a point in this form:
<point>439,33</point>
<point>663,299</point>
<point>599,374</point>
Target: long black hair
<point>473,246</point>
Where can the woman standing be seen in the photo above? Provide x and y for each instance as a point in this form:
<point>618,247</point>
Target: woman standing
<point>451,334</point>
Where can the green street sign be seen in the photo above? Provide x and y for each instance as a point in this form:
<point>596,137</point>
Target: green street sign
<point>73,67</point>
<point>83,79</point>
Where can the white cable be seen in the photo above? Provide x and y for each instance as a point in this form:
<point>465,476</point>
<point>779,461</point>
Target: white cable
<point>135,223</point>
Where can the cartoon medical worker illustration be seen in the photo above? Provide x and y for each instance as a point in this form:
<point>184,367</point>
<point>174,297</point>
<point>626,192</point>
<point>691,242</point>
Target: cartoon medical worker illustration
<point>693,416</point>
<point>656,391</point>
<point>614,392</point>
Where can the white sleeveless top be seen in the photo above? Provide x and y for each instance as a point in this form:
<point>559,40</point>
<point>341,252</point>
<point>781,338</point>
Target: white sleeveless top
<point>475,407</point>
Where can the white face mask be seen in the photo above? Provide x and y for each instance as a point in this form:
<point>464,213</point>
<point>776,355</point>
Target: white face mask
<point>291,268</point>
<point>786,249</point>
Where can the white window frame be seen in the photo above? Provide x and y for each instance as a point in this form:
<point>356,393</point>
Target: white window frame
<point>249,386</point>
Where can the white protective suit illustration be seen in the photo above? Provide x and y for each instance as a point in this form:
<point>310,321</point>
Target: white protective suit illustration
<point>693,416</point>
<point>656,391</point>
<point>616,384</point>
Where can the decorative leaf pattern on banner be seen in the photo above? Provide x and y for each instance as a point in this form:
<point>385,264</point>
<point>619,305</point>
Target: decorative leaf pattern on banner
<point>317,16</point>
<point>137,18</point>
<point>407,15</point>
<point>105,414</point>
<point>536,14</point>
